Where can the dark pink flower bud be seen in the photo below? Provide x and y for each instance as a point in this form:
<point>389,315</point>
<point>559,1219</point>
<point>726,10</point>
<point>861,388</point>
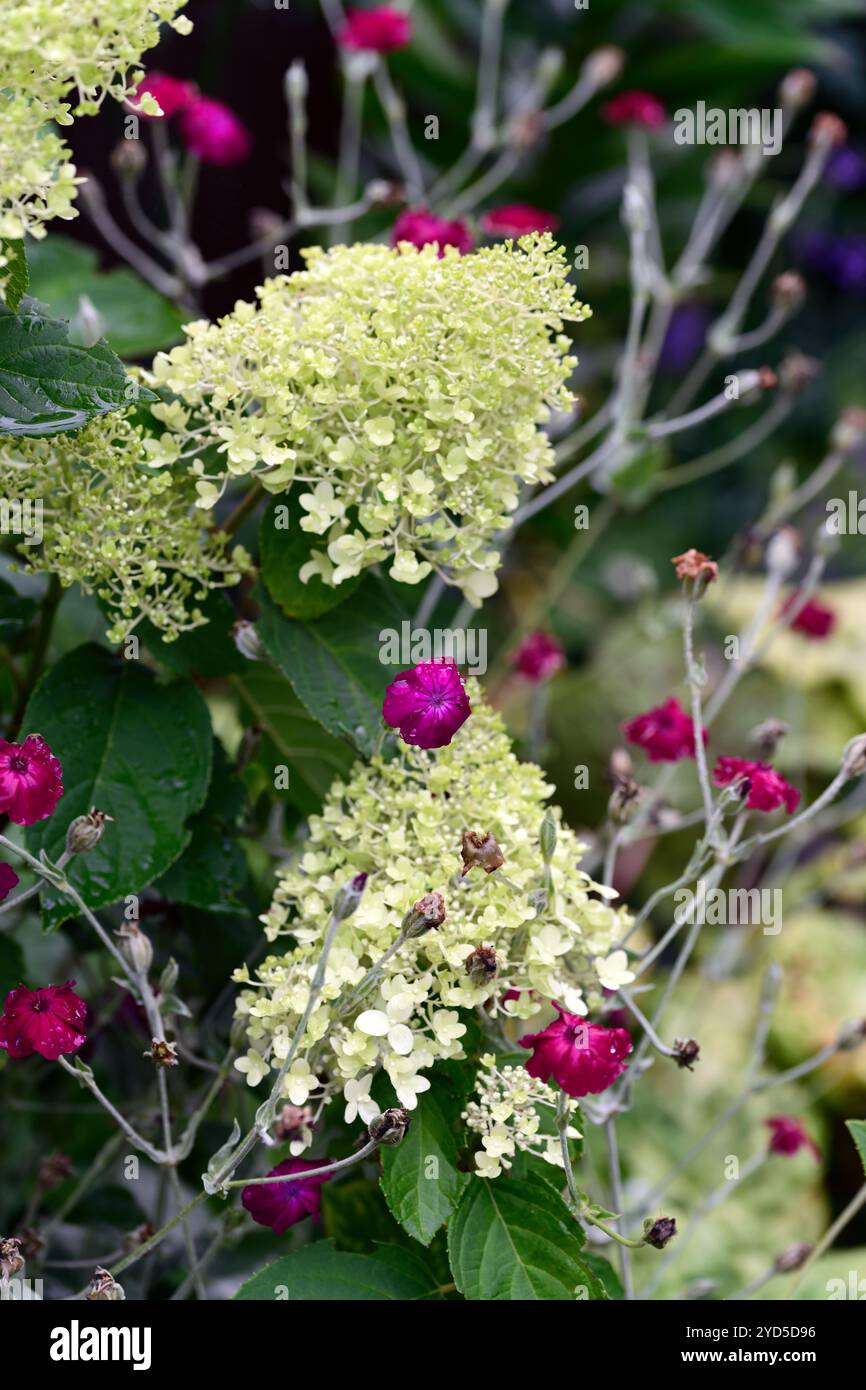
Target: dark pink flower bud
<point>635,108</point>
<point>788,1137</point>
<point>53,1170</point>
<point>518,219</point>
<point>583,1058</point>
<point>764,788</point>
<point>283,1204</point>
<point>665,733</point>
<point>8,880</point>
<point>377,30</point>
<point>539,657</point>
<point>814,619</point>
<point>49,1021</point>
<point>658,1233</point>
<point>427,704</point>
<point>696,566</point>
<point>422,227</point>
<point>213,132</point>
<point>31,780</point>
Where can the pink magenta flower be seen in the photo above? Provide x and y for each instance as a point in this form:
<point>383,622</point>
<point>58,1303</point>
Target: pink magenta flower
<point>814,619</point>
<point>539,657</point>
<point>768,789</point>
<point>518,219</point>
<point>583,1058</point>
<point>8,880</point>
<point>379,30</point>
<point>283,1204</point>
<point>49,1021</point>
<point>420,227</point>
<point>31,780</point>
<point>213,132</point>
<point>665,733</point>
<point>427,704</point>
<point>788,1137</point>
<point>171,93</point>
<point>635,108</point>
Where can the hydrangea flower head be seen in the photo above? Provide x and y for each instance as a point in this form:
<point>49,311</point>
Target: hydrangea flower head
<point>31,780</point>
<point>381,29</point>
<point>426,399</point>
<point>283,1204</point>
<point>420,227</point>
<point>427,704</point>
<point>665,733</point>
<point>767,789</point>
<point>583,1058</point>
<point>49,1021</point>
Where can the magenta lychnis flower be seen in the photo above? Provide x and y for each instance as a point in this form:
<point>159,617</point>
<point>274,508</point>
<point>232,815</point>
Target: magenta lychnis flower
<point>814,619</point>
<point>583,1058</point>
<point>665,733</point>
<point>31,780</point>
<point>171,93</point>
<point>213,132</point>
<point>539,657</point>
<point>518,219</point>
<point>420,227</point>
<point>8,880</point>
<point>788,1137</point>
<point>49,1021</point>
<point>283,1204</point>
<point>635,108</point>
<point>767,789</point>
<point>427,704</point>
<point>377,30</point>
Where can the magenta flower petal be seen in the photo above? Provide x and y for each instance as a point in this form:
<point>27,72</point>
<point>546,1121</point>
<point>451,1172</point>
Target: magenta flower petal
<point>420,227</point>
<point>172,94</point>
<point>377,30</point>
<point>49,1021</point>
<point>427,704</point>
<point>31,780</point>
<point>583,1058</point>
<point>635,108</point>
<point>213,132</point>
<point>539,657</point>
<point>767,789</point>
<point>814,620</point>
<point>665,733</point>
<point>518,219</point>
<point>8,880</point>
<point>788,1137</point>
<point>283,1204</point>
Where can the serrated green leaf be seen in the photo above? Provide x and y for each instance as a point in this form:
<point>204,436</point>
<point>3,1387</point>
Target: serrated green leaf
<point>212,870</point>
<point>283,550</point>
<point>135,749</point>
<point>48,385</point>
<point>14,273</point>
<point>516,1240</point>
<point>320,1273</point>
<point>334,663</point>
<point>857,1130</point>
<point>420,1180</point>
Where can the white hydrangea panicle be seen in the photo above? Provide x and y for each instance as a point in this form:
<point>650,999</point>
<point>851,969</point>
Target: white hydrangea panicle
<point>401,392</point>
<point>402,822</point>
<point>507,1117</point>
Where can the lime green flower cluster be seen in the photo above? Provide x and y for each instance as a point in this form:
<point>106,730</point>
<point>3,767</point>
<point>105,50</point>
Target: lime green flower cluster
<point>515,929</point>
<point>132,537</point>
<point>406,392</point>
<point>60,59</point>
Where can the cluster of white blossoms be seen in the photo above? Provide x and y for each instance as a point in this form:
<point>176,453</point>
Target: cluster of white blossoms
<point>60,59</point>
<point>510,940</point>
<point>507,1117</point>
<point>400,391</point>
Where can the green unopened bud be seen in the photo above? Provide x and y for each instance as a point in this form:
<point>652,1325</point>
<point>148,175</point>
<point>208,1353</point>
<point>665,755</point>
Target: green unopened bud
<point>854,757</point>
<point>348,897</point>
<point>247,641</point>
<point>85,832</point>
<point>135,947</point>
<point>547,837</point>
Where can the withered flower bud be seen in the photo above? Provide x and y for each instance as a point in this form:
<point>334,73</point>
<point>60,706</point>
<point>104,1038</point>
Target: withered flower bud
<point>783,551</point>
<point>792,1258</point>
<point>767,379</point>
<point>264,222</point>
<point>85,832</point>
<point>53,1170</point>
<point>11,1259</point>
<point>424,915</point>
<point>658,1233</point>
<point>788,291</point>
<point>140,1236</point>
<point>482,850</point>
<point>797,88</point>
<point>128,158</point>
<point>31,1242</point>
<point>624,800</point>
<point>135,947</point>
<point>620,765</point>
<point>383,193</point>
<point>688,1052</point>
<point>849,431</point>
<point>603,66</point>
<point>851,1035</point>
<point>766,736</point>
<point>695,566</point>
<point>481,965</point>
<point>797,371</point>
<point>162,1053</point>
<point>389,1127</point>
<point>247,640</point>
<point>293,1121</point>
<point>103,1288</point>
<point>524,130</point>
<point>854,757</point>
<point>828,131</point>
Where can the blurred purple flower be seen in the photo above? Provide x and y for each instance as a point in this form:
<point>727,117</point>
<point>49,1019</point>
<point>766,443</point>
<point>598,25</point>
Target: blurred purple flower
<point>686,335</point>
<point>846,169</point>
<point>842,259</point>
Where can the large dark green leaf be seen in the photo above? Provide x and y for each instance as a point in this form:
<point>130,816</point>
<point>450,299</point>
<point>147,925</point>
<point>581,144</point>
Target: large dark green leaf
<point>48,384</point>
<point>212,870</point>
<point>420,1179</point>
<point>517,1240</point>
<point>319,1273</point>
<point>138,321</point>
<point>291,737</point>
<point>206,651</point>
<point>334,663</point>
<point>16,612</point>
<point>14,275</point>
<point>283,550</point>
<point>139,751</point>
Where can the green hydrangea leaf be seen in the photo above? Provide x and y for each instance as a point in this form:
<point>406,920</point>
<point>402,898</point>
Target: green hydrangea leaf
<point>212,870</point>
<point>135,749</point>
<point>14,274</point>
<point>517,1240</point>
<point>16,611</point>
<point>49,385</point>
<point>420,1180</point>
<point>283,549</point>
<point>320,1273</point>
